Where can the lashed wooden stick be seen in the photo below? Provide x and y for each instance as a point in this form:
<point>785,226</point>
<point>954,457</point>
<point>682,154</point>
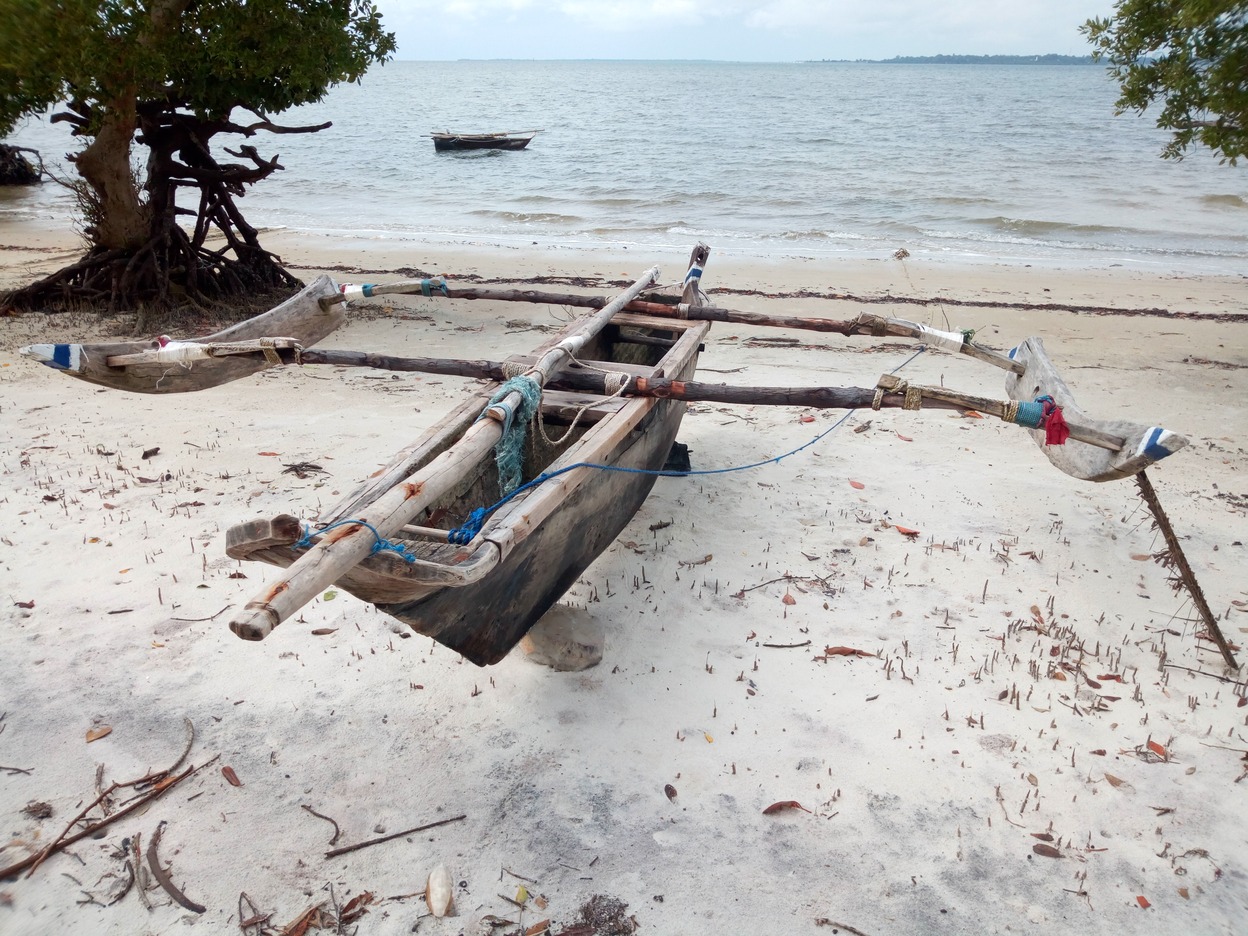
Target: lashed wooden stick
<point>672,307</point>
<point>695,391</point>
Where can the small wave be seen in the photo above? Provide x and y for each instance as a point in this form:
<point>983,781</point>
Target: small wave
<point>527,217</point>
<point>1034,227</point>
<point>1224,201</point>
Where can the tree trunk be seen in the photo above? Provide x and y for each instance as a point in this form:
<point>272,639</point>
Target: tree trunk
<point>118,219</point>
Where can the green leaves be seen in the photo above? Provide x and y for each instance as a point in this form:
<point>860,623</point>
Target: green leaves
<point>1188,55</point>
<point>209,56</point>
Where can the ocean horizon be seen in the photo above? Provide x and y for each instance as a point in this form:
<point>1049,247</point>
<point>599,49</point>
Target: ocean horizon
<point>968,163</point>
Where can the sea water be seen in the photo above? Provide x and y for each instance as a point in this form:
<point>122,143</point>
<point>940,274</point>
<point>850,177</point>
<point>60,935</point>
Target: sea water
<point>1013,163</point>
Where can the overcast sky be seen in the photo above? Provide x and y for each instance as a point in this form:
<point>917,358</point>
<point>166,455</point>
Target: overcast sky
<point>735,30</point>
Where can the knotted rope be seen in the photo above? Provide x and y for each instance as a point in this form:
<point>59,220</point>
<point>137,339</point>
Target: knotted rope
<point>381,544</point>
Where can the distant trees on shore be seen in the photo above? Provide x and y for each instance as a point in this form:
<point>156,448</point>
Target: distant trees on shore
<point>1049,59</point>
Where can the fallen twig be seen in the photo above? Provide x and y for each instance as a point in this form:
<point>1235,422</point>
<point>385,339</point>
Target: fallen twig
<point>337,832</point>
<point>804,643</point>
<point>125,888</point>
<point>162,876</point>
<point>334,853</point>
<point>824,921</point>
<point>64,840</point>
<point>199,620</point>
<point>246,920</point>
<point>1199,672</point>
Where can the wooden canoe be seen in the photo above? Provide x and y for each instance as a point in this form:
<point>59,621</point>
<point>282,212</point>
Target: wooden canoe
<point>447,141</point>
<point>1124,449</point>
<point>164,366</point>
<point>480,599</point>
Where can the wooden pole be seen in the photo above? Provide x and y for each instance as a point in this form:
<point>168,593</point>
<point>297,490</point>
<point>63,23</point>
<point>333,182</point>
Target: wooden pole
<point>864,324</point>
<point>343,547</point>
<point>696,392</point>
<point>1178,558</point>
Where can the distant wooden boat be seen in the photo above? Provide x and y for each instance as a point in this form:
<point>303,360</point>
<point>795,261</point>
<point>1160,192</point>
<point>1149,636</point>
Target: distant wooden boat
<point>446,141</point>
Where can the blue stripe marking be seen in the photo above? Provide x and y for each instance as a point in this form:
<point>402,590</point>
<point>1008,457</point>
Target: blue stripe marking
<point>694,273</point>
<point>1152,447</point>
<point>61,356</point>
<point>367,289</point>
<point>1013,351</point>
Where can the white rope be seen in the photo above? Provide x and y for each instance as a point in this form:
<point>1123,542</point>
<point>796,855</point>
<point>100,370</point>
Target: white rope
<point>614,382</point>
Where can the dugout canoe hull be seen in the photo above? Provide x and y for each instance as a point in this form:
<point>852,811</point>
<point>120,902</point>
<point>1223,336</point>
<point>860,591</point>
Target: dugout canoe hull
<point>1139,445</point>
<point>481,599</point>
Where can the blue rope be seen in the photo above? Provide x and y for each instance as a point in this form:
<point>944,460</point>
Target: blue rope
<point>464,534</point>
<point>1032,414</point>
<point>381,545</point>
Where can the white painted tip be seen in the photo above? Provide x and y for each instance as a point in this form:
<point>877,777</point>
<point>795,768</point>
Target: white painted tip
<point>60,356</point>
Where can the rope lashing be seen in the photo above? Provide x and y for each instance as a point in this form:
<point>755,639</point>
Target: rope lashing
<point>1029,415</point>
<point>509,450</point>
<point>368,290</point>
<point>913,396</point>
<point>465,533</point>
<point>381,544</point>
<point>1040,413</point>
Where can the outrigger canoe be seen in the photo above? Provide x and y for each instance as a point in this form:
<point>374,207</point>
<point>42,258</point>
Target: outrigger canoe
<point>471,550</point>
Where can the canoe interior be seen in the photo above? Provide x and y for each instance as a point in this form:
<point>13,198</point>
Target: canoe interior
<point>538,544</point>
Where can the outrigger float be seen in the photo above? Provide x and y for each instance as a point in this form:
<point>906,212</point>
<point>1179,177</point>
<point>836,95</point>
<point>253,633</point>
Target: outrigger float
<point>472,550</point>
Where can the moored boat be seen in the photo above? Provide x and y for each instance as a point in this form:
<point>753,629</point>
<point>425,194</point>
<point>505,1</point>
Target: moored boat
<point>448,141</point>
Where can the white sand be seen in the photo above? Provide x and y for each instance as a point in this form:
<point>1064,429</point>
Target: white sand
<point>926,769</point>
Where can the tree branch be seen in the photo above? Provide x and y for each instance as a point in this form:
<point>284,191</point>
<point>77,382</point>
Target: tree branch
<point>250,129</point>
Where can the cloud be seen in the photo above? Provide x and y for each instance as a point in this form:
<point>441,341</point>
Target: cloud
<point>746,30</point>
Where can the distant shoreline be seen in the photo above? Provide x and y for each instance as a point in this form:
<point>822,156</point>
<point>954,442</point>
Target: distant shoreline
<point>1050,59</point>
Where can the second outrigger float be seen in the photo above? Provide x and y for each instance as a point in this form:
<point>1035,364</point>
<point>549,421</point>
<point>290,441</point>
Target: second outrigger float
<point>476,529</point>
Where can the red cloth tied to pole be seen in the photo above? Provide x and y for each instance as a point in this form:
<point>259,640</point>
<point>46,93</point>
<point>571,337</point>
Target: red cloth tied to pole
<point>1056,432</point>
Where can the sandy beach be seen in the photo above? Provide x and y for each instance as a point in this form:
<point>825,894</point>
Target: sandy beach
<point>1033,738</point>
